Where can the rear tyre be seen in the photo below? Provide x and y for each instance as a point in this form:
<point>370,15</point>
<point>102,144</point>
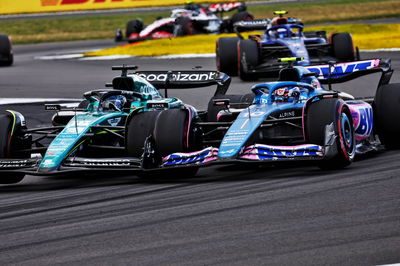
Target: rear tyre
<point>387,114</point>
<point>173,133</point>
<point>318,116</point>
<point>226,55</point>
<point>243,100</point>
<point>138,128</point>
<point>6,54</point>
<point>241,16</point>
<point>248,58</point>
<point>5,150</point>
<point>342,45</point>
<point>133,26</point>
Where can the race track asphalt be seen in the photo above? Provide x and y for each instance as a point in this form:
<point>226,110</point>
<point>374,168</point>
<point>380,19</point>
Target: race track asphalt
<point>292,215</point>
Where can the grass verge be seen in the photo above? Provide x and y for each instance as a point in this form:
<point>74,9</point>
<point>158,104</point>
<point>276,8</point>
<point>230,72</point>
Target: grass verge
<point>365,37</point>
<point>103,26</point>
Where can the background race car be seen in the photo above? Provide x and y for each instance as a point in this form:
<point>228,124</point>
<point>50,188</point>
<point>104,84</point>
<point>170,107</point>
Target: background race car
<point>192,19</point>
<point>293,119</point>
<point>6,52</point>
<point>283,37</point>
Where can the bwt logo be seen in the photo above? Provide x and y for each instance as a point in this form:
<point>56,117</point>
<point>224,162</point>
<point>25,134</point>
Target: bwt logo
<point>74,2</point>
<point>343,68</point>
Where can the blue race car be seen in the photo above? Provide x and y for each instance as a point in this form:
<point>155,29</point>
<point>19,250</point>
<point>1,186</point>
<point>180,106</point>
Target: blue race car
<point>283,37</point>
<point>106,131</point>
<point>293,119</point>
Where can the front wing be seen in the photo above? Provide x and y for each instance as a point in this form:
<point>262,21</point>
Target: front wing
<point>261,153</point>
<point>76,164</point>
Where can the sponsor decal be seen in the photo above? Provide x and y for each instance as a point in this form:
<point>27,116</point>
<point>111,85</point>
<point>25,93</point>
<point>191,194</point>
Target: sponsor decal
<point>74,2</point>
<point>267,152</point>
<point>223,7</point>
<point>287,114</point>
<point>343,68</point>
<point>205,155</point>
<point>13,163</point>
<point>52,107</point>
<point>47,162</point>
<point>157,105</point>
<point>114,121</point>
<point>113,162</point>
<point>179,76</point>
<point>362,119</point>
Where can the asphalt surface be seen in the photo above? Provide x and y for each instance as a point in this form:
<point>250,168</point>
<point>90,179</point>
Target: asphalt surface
<point>292,215</point>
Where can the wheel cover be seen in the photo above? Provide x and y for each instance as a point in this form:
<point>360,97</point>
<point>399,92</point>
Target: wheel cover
<point>347,133</point>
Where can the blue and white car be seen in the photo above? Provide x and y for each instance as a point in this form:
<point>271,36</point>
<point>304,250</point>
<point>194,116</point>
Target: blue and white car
<point>295,119</point>
<point>258,55</point>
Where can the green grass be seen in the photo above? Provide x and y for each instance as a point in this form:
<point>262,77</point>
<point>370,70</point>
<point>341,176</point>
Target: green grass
<point>365,37</point>
<point>104,26</point>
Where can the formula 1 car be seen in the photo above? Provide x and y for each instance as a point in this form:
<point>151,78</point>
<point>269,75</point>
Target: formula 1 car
<point>192,19</point>
<point>105,132</point>
<point>292,119</point>
<point>6,52</point>
<point>257,56</point>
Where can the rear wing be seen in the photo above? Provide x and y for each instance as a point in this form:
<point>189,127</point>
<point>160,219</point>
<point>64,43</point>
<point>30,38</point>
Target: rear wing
<point>187,79</point>
<point>226,7</point>
<point>343,72</point>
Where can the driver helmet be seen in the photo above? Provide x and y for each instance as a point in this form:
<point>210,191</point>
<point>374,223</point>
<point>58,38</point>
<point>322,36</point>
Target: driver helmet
<point>114,103</point>
<point>279,21</point>
<point>286,94</point>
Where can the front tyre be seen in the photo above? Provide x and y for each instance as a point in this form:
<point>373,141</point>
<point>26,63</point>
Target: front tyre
<point>326,112</point>
<point>6,148</point>
<point>139,127</point>
<point>174,132</point>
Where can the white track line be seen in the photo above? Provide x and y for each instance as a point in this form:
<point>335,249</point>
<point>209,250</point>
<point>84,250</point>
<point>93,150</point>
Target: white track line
<point>5,101</point>
<point>59,57</point>
<point>106,57</point>
<point>381,50</point>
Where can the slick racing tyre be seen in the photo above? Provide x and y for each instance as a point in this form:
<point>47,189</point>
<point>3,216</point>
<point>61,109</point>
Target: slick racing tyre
<point>133,26</point>
<point>387,114</point>
<point>139,127</point>
<point>184,25</point>
<point>174,132</point>
<point>238,101</point>
<point>226,55</point>
<point>332,111</point>
<point>5,150</point>
<point>6,55</point>
<point>248,58</point>
<point>342,45</point>
<point>241,16</point>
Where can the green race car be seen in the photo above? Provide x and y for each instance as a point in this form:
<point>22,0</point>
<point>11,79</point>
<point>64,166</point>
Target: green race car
<point>107,131</point>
